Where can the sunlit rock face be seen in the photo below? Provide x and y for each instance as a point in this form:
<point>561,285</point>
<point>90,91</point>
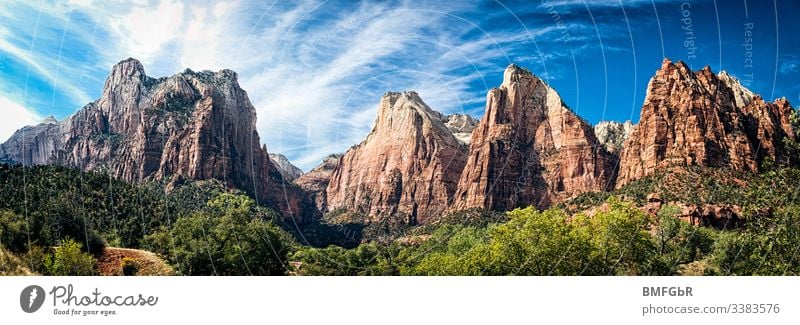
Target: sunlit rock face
<point>698,118</point>
<point>530,149</point>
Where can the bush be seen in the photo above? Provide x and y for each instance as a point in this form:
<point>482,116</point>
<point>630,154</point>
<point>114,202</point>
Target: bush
<point>69,259</point>
<point>129,266</point>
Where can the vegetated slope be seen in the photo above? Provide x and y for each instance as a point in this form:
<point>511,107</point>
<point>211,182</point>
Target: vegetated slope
<point>186,226</point>
<point>10,264</point>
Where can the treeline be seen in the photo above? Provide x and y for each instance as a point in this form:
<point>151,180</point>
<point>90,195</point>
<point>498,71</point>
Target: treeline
<point>618,240</point>
<point>57,220</point>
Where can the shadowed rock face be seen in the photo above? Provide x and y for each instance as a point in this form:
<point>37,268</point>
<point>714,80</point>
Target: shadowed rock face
<point>408,165</point>
<point>191,126</point>
<point>315,182</point>
<point>530,149</point>
<point>699,118</point>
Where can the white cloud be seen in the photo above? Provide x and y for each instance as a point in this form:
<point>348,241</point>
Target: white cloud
<point>15,116</point>
<point>315,70</point>
<point>145,30</point>
<point>35,64</point>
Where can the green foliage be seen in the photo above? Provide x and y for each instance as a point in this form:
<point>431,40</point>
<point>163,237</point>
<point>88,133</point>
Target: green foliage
<point>129,266</point>
<point>619,239</point>
<point>543,243</point>
<point>13,232</point>
<point>366,259</point>
<point>678,243</point>
<point>228,237</point>
<point>768,247</point>
<point>69,259</point>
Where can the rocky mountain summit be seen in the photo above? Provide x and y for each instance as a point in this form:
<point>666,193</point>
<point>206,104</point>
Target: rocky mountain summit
<point>612,134</point>
<point>530,149</point>
<point>288,171</point>
<point>408,165</point>
<point>190,126</point>
<point>698,118</point>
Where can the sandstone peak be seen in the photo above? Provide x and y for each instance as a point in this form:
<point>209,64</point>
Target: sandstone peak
<point>288,171</point>
<point>530,149</point>
<point>174,129</point>
<point>408,165</point>
<point>461,125</point>
<point>50,120</point>
<point>612,134</point>
<point>316,181</point>
<point>129,67</point>
<point>514,72</point>
<point>741,94</point>
<point>703,119</point>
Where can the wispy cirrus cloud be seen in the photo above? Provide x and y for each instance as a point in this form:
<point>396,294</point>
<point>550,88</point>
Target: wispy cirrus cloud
<point>314,70</point>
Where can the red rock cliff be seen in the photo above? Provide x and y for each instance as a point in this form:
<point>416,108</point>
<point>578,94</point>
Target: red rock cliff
<point>191,126</point>
<point>409,164</point>
<point>530,149</point>
<point>699,118</point>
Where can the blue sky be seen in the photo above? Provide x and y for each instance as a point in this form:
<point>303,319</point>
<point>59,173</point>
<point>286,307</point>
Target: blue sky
<point>315,70</point>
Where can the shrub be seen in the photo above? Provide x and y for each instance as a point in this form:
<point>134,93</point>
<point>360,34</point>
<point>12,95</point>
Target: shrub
<point>129,266</point>
<point>69,259</point>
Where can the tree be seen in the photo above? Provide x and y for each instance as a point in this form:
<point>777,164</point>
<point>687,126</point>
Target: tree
<point>619,239</point>
<point>13,232</point>
<point>69,259</point>
<point>228,238</point>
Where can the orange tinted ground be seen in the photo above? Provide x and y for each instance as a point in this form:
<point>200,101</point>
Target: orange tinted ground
<point>110,262</point>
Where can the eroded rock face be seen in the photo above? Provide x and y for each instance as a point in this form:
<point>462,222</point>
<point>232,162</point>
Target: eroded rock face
<point>315,182</point>
<point>699,118</point>
<point>288,171</point>
<point>612,134</point>
<point>191,126</point>
<point>530,149</point>
<point>461,126</point>
<point>408,165</point>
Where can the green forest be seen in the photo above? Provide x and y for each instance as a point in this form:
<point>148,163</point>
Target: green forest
<point>57,221</point>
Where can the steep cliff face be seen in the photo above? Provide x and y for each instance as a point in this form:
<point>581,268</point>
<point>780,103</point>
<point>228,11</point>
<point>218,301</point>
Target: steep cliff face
<point>408,165</point>
<point>699,118</point>
<point>315,182</point>
<point>530,149</point>
<point>191,126</point>
<point>613,134</point>
<point>284,166</point>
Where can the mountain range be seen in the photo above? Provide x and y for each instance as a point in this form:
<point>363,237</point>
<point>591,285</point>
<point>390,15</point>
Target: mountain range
<point>528,149</point>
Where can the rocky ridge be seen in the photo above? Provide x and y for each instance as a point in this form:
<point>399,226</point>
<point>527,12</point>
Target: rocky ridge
<point>408,165</point>
<point>698,118</point>
<point>190,126</point>
<point>315,182</point>
<point>612,134</point>
<point>530,149</point>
